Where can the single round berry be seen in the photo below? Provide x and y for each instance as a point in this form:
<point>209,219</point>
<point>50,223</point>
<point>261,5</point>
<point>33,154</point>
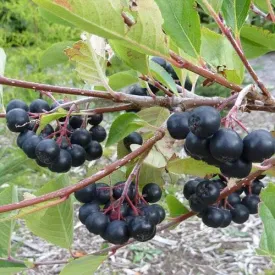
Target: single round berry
<point>151,192</point>
<point>23,136</point>
<point>251,202</point>
<point>213,217</point>
<point>160,61</point>
<point>62,163</point>
<point>227,218</point>
<point>141,229</point>
<point>226,145</point>
<point>204,121</point>
<point>29,146</point>
<point>220,183</point>
<point>97,222</point>
<point>48,130</point>
<point>160,211</point>
<point>86,194</point>
<point>137,90</point>
<point>17,103</point>
<point>196,204</point>
<point>17,120</point>
<point>76,121</point>
<point>117,232</point>
<point>86,209</point>
<point>103,192</point>
<point>81,137</point>
<point>190,188</point>
<point>152,214</point>
<point>98,133</point>
<point>177,125</point>
<point>255,187</point>
<point>39,106</point>
<point>41,164</point>
<point>197,146</point>
<point>258,146</point>
<point>207,192</point>
<point>237,169</point>
<point>188,84</point>
<point>78,155</point>
<point>95,119</point>
<point>240,213</point>
<point>93,151</point>
<point>47,151</point>
<point>119,187</point>
<point>234,199</point>
<point>133,138</point>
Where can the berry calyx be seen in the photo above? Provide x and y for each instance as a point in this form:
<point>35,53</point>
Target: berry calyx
<point>151,192</point>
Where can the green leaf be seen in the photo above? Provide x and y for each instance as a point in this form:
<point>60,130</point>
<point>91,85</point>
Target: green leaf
<point>235,13</point>
<point>7,196</point>
<point>83,266</point>
<point>121,150</point>
<point>104,19</point>
<point>54,224</point>
<point>113,178</point>
<point>53,18</point>
<point>55,54</point>
<point>190,166</point>
<point>216,5</point>
<point>176,208</point>
<point>218,52</point>
<point>182,24</point>
<point>2,69</point>
<point>261,4</point>
<point>123,79</point>
<point>149,173</point>
<point>155,116</point>
<point>124,125</point>
<point>132,58</point>
<point>8,268</point>
<point>163,76</point>
<point>257,41</point>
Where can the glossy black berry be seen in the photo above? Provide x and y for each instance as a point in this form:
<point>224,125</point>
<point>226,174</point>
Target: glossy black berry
<point>152,214</point>
<point>177,125</point>
<point>151,192</point>
<point>48,130</point>
<point>258,146</point>
<point>17,103</point>
<point>29,146</point>
<point>255,187</point>
<point>197,146</point>
<point>240,213</point>
<point>251,202</point>
<point>17,120</point>
<point>190,188</point>
<point>188,84</point>
<point>86,209</point>
<point>207,192</point>
<point>196,204</point>
<point>133,138</point>
<point>98,133</point>
<point>204,121</point>
<point>118,189</point>
<point>160,61</point>
<point>234,199</point>
<point>86,194</point>
<point>213,217</point>
<point>39,106</point>
<point>81,137</point>
<point>93,151</point>
<point>141,229</point>
<point>76,121</point>
<point>237,169</point>
<point>78,155</point>
<point>137,90</point>
<point>95,119</point>
<point>97,222</point>
<point>227,218</point>
<point>220,183</point>
<point>160,210</point>
<point>103,193</point>
<point>47,151</point>
<point>226,145</point>
<point>41,164</point>
<point>117,232</point>
<point>62,163</point>
<point>23,136</point>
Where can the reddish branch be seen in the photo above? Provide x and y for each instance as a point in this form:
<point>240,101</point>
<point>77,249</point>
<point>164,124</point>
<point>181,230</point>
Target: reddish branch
<point>271,11</point>
<point>257,11</point>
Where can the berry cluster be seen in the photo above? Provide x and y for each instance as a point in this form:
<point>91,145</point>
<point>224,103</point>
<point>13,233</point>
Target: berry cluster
<point>203,197</point>
<point>65,144</point>
<point>221,147</point>
<point>117,214</point>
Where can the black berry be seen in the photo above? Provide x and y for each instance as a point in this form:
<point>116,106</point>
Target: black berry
<point>81,137</point>
<point>196,204</point>
<point>17,103</point>
<point>251,202</point>
<point>103,193</point>
<point>160,210</point>
<point>97,222</point>
<point>76,121</point>
<point>78,155</point>
<point>190,188</point>
<point>177,125</point>
<point>227,218</point>
<point>93,151</point>
<point>213,217</point>
<point>118,189</point>
<point>240,213</point>
<point>237,169</point>
<point>17,120</point>
<point>23,136</point>
<point>95,119</point>
<point>86,209</point>
<point>255,187</point>
<point>151,192</point>
<point>133,138</point>
<point>152,214</point>
<point>29,146</point>
<point>47,151</point>
<point>48,130</point>
<point>62,163</point>
<point>160,61</point>
<point>207,192</point>
<point>98,133</point>
<point>197,146</point>
<point>86,194</point>
<point>234,199</point>
<point>117,232</point>
<point>39,106</point>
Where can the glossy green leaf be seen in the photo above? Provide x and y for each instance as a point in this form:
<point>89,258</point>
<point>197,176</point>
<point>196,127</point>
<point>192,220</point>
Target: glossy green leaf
<point>262,5</point>
<point>176,208</point>
<point>182,24</point>
<point>7,196</point>
<point>235,13</point>
<point>132,58</point>
<point>55,54</point>
<point>8,268</point>
<point>218,52</point>
<point>121,150</point>
<point>155,116</point>
<point>113,178</point>
<point>145,35</point>
<point>215,4</point>
<point>122,126</point>
<point>163,76</point>
<point>87,265</point>
<point>123,79</point>
<point>53,18</point>
<point>54,224</point>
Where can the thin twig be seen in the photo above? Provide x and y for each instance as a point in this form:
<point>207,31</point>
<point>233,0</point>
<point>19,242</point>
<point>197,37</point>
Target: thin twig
<point>259,12</point>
